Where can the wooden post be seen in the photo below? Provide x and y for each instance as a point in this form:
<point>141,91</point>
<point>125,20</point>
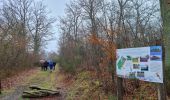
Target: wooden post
<point>161,86</point>
<point>161,92</point>
<point>119,88</point>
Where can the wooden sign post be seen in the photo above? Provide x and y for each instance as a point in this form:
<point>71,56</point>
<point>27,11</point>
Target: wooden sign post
<point>119,88</point>
<point>161,92</point>
<point>161,87</point>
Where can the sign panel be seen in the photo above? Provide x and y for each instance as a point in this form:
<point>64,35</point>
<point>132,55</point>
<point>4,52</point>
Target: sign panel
<point>144,63</point>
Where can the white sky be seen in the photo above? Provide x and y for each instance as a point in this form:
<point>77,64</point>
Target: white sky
<point>56,7</point>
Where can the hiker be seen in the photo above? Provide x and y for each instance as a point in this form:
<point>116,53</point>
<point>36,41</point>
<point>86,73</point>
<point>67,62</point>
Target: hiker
<point>51,65</point>
<point>45,65</point>
<point>54,64</point>
<point>42,64</point>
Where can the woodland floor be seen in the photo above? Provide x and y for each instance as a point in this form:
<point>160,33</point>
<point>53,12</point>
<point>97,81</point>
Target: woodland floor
<point>13,87</point>
<point>82,86</point>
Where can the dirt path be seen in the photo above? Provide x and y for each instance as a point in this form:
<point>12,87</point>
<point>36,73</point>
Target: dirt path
<point>43,79</point>
<point>15,95</point>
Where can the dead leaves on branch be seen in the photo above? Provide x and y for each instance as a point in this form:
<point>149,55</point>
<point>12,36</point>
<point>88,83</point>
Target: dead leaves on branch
<point>107,46</point>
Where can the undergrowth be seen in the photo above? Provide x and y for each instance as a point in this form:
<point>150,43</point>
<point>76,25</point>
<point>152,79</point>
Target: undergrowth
<point>87,87</point>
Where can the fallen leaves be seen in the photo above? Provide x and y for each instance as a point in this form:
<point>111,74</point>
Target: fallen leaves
<point>16,80</point>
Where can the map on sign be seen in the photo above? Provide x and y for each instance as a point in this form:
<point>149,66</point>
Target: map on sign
<point>143,63</point>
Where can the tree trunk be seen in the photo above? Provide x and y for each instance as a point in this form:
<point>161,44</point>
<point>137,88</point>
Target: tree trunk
<point>165,13</point>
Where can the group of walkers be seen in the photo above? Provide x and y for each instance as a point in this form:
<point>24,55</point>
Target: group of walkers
<point>45,65</point>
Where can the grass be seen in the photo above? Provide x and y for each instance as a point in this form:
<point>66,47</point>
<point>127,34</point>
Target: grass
<point>87,88</point>
<point>6,92</point>
<point>112,97</point>
<point>84,87</point>
<point>43,79</point>
<point>23,99</point>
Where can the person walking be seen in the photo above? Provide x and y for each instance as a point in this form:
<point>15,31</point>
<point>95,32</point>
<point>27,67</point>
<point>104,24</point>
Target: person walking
<point>51,65</point>
<point>54,64</point>
<point>42,64</point>
<point>45,65</point>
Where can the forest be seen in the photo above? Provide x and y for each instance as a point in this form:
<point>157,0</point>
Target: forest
<point>90,31</point>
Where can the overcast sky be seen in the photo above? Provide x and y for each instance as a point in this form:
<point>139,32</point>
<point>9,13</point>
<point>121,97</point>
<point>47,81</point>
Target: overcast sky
<point>56,7</point>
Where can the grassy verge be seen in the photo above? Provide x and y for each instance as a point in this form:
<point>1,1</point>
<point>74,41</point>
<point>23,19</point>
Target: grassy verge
<point>87,88</point>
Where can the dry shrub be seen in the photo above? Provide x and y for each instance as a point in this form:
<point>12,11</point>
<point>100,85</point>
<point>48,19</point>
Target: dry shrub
<point>144,91</point>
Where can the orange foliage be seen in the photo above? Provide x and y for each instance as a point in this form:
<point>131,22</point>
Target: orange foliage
<point>108,47</point>
<point>93,39</point>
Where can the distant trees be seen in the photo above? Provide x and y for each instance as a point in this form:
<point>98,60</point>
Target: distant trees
<point>91,30</point>
<point>24,29</point>
<point>53,56</point>
<point>125,23</point>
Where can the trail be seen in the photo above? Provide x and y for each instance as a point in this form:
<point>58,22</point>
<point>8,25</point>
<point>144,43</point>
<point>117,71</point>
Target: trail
<point>43,79</point>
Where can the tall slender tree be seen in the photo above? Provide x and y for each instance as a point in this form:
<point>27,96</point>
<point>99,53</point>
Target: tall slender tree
<point>165,13</point>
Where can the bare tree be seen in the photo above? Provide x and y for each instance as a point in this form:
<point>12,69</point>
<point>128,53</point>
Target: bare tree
<point>138,19</point>
<point>40,26</point>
